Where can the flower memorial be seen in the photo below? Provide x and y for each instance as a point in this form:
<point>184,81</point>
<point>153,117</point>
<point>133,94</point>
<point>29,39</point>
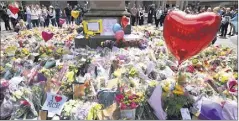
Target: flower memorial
<point>139,80</point>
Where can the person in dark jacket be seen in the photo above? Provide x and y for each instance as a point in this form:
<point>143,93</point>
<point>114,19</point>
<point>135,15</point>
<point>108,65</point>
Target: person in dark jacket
<point>67,12</point>
<point>5,18</point>
<point>21,13</point>
<point>58,15</point>
<point>141,16</point>
<point>150,14</point>
<point>162,17</point>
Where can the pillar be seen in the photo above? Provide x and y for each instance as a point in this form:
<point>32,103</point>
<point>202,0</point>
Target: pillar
<point>163,5</point>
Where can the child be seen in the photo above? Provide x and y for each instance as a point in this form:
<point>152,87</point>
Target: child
<point>20,26</point>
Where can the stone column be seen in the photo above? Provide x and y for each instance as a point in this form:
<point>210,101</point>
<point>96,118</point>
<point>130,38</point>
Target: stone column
<point>186,3</point>
<point>163,5</point>
<point>181,5</point>
<point>107,9</point>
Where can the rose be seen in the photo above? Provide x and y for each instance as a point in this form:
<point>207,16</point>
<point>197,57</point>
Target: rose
<point>123,106</point>
<point>119,97</point>
<point>232,86</point>
<point>133,105</point>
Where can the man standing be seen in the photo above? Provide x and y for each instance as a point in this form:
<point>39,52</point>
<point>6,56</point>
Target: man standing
<point>58,15</point>
<point>5,18</point>
<point>68,14</point>
<point>150,14</point>
<point>225,22</point>
<point>134,12</point>
<point>158,15</point>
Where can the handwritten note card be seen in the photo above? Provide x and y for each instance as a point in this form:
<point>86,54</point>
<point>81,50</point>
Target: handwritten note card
<point>54,103</point>
<point>93,26</point>
<point>185,114</point>
<point>108,26</point>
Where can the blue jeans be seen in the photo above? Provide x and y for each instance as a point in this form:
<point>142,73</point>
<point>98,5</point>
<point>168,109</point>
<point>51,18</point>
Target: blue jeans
<point>68,19</point>
<point>29,23</point>
<point>78,20</point>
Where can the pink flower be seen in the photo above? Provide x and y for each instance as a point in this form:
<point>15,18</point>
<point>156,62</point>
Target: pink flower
<point>133,105</point>
<point>119,97</point>
<point>122,106</point>
<point>4,83</point>
<point>131,97</point>
<point>232,86</point>
<point>190,69</point>
<point>25,103</point>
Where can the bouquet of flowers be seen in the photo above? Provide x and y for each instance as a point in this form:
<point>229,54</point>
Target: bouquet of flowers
<point>129,100</point>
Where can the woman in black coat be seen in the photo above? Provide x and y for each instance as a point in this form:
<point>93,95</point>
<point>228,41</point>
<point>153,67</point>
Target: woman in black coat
<point>150,15</point>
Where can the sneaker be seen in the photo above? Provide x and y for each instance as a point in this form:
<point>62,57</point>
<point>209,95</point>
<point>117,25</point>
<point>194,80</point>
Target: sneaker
<point>220,35</point>
<point>229,33</point>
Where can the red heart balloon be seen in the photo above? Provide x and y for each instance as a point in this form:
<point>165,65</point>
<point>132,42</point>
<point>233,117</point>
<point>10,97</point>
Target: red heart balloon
<point>186,35</point>
<point>124,21</point>
<point>62,21</point>
<point>13,9</point>
<point>46,35</point>
<point>58,98</point>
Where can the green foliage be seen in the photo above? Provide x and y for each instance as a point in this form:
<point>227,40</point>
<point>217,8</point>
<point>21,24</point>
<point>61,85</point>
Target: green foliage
<point>173,104</point>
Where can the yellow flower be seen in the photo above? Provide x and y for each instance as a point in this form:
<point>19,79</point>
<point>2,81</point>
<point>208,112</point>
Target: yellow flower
<point>178,92</point>
<point>1,69</point>
<point>166,88</point>
<point>195,61</point>
<point>25,51</point>
<point>224,78</point>
<point>70,76</point>
<point>153,83</point>
<point>118,72</point>
<point>235,75</point>
<point>225,92</point>
<point>178,88</point>
<point>18,94</point>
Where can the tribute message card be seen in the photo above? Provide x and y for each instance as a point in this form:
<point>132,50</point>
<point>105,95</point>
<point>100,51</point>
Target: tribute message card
<point>54,103</point>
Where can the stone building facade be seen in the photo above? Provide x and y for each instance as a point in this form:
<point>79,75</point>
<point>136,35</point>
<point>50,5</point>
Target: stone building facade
<point>182,4</point>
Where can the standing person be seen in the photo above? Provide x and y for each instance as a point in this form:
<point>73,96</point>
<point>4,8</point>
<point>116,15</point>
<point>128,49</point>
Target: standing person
<point>21,13</point>
<point>29,20</point>
<point>5,18</point>
<point>45,16</point>
<point>72,18</point>
<point>163,16</point>
<point>141,17</point>
<point>58,15</point>
<point>34,17</point>
<point>38,9</point>
<point>52,15</point>
<point>225,22</point>
<point>133,14</point>
<point>79,18</point>
<point>216,11</point>
<point>234,24</point>
<point>158,16</point>
<point>67,12</point>
<point>231,26</point>
<point>150,14</point>
<point>13,18</point>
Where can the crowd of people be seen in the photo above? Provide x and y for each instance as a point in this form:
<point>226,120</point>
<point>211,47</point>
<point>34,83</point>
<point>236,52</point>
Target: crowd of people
<point>157,16</point>
<point>36,15</point>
